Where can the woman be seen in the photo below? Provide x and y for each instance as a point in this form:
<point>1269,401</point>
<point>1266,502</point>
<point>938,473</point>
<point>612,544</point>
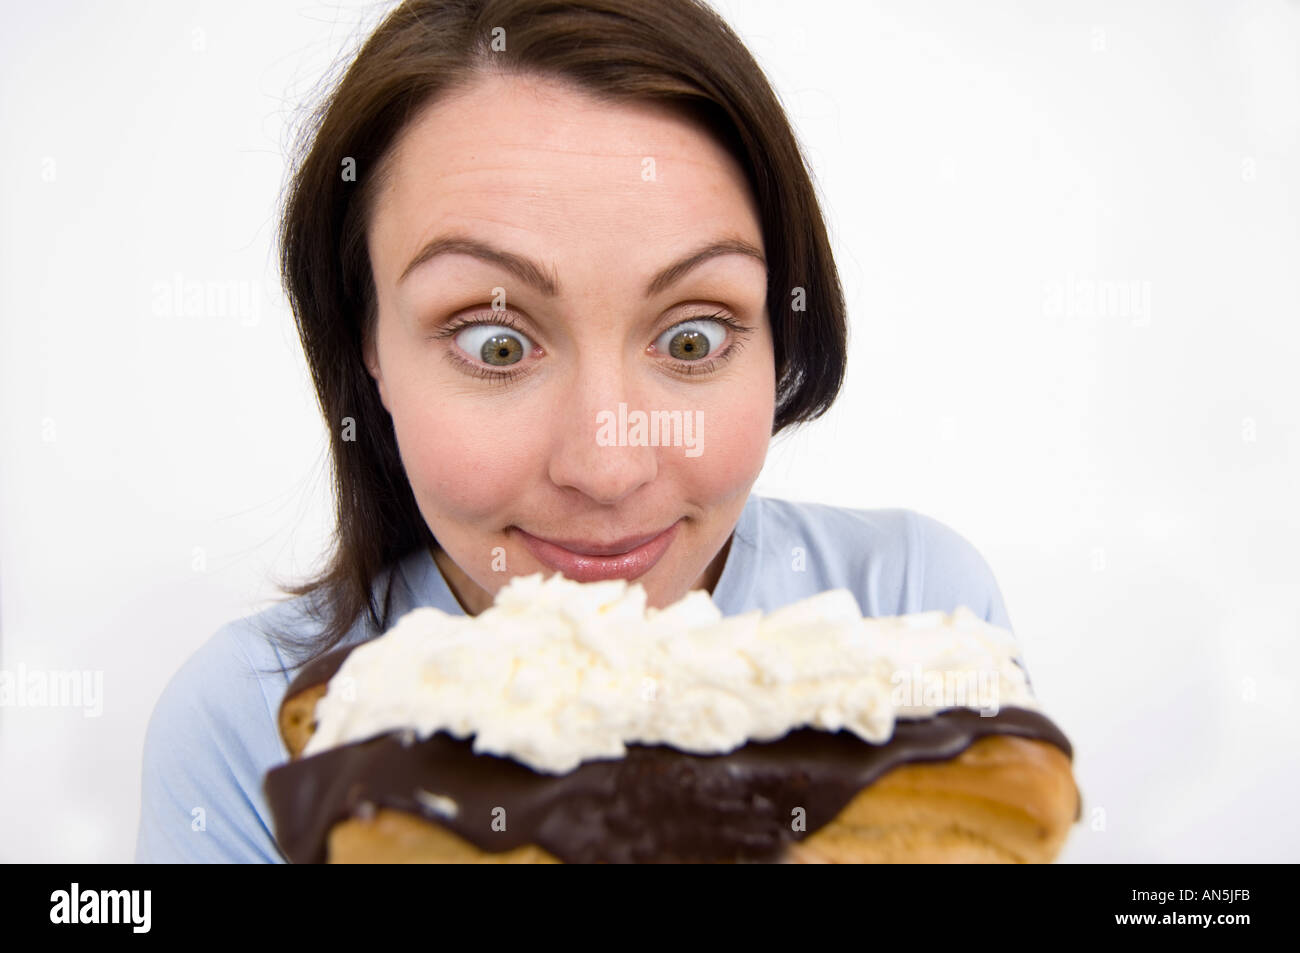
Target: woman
<point>560,275</point>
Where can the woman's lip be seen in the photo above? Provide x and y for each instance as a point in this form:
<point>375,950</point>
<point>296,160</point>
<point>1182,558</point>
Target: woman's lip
<point>582,567</point>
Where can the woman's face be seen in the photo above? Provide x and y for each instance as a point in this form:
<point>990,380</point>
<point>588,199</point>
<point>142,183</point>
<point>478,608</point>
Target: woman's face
<point>585,208</point>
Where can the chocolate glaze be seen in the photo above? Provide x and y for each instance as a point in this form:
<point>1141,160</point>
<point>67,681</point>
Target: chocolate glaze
<point>656,804</point>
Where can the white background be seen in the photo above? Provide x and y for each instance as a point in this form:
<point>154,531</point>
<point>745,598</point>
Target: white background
<point>991,173</point>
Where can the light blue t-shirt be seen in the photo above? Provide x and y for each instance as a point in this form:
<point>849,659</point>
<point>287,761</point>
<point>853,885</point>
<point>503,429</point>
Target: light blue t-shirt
<point>213,733</point>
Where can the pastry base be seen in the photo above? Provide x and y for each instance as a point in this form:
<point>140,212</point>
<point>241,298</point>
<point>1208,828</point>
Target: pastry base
<point>298,718</point>
<point>1004,799</point>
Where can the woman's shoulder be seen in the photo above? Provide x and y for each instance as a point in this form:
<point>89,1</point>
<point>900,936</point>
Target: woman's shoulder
<point>237,672</point>
<point>901,560</point>
<point>851,535</point>
<point>887,524</point>
<point>262,650</point>
<point>210,739</point>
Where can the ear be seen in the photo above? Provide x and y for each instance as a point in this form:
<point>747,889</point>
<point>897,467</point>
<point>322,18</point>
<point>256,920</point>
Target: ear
<point>371,360</point>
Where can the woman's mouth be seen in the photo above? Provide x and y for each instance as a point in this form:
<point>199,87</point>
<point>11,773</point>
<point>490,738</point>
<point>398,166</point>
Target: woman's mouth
<point>589,561</point>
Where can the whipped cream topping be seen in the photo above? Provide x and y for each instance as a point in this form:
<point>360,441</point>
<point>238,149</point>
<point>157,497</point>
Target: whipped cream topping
<point>558,672</point>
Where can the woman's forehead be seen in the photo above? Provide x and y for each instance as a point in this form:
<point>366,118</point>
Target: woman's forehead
<point>561,162</point>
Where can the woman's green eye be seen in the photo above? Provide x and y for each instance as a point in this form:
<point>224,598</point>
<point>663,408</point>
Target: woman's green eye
<point>691,340</point>
<point>499,345</point>
<point>494,344</point>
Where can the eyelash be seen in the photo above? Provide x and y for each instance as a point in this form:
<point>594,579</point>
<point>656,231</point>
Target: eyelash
<point>687,368</point>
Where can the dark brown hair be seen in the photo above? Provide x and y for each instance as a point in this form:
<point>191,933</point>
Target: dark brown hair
<point>678,53</point>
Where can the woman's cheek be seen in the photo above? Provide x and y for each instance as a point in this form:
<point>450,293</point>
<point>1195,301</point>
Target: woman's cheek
<point>732,440</point>
<point>458,461</point>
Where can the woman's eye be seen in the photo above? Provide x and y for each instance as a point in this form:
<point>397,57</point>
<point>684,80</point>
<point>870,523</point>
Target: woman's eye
<point>691,340</point>
<point>494,344</point>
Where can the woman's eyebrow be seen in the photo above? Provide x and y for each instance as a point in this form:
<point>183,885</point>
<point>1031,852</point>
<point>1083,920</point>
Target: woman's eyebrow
<point>545,281</point>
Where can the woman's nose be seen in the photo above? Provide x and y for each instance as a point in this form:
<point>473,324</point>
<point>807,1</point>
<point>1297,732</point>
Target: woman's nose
<point>598,449</point>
